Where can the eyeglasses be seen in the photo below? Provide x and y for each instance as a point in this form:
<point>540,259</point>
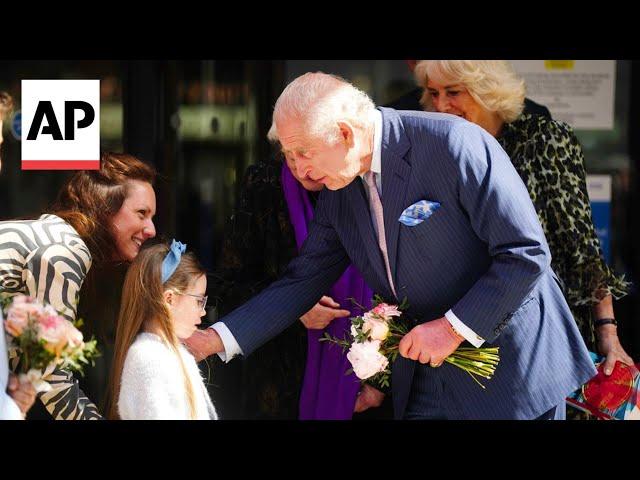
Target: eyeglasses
<point>202,299</point>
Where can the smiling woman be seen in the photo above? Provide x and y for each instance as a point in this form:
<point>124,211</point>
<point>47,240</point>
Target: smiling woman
<point>100,217</point>
<point>111,208</point>
<point>132,225</point>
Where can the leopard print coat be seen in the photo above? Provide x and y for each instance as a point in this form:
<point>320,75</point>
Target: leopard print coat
<point>549,159</point>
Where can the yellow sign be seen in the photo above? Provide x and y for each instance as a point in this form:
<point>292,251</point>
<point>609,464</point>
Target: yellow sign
<point>559,64</point>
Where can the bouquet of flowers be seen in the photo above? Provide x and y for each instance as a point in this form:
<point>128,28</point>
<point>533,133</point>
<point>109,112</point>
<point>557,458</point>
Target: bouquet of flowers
<point>376,336</point>
<point>39,340</point>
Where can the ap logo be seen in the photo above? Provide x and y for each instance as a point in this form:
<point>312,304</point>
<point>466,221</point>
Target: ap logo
<point>60,124</point>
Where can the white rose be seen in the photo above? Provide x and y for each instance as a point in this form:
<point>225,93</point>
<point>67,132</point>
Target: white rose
<point>378,329</point>
<point>366,359</point>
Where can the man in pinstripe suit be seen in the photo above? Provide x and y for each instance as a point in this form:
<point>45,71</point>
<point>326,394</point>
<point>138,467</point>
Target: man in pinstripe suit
<point>477,269</point>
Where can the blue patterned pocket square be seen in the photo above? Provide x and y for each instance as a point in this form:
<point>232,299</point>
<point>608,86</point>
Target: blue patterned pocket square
<point>418,212</point>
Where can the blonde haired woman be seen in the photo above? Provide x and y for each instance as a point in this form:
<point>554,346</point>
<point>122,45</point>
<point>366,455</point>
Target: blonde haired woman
<point>549,159</point>
<point>154,377</point>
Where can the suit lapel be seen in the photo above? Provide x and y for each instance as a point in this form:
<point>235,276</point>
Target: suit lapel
<point>357,200</point>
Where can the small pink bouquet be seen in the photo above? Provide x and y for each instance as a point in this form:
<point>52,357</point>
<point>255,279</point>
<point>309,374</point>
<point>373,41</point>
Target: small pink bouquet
<point>39,339</point>
<point>376,336</point>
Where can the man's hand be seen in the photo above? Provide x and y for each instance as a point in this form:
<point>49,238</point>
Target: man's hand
<point>430,342</point>
<point>369,397</point>
<point>609,346</point>
<point>204,343</point>
<point>22,393</point>
<point>323,313</point>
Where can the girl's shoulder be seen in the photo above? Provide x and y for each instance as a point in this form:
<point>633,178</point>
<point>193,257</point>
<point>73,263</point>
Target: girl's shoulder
<point>148,344</point>
<point>148,355</point>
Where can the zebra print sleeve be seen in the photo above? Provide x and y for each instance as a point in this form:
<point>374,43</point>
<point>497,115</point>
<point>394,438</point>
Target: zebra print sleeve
<point>54,274</point>
<point>65,400</point>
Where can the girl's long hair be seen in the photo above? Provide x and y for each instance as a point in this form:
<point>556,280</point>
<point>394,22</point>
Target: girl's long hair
<point>143,301</point>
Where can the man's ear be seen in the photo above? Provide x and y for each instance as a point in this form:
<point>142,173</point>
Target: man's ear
<point>346,132</point>
<point>169,296</point>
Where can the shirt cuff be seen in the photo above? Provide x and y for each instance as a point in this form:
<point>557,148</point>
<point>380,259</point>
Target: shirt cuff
<point>469,335</point>
<point>231,347</point>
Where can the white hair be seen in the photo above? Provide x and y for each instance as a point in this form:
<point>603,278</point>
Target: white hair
<point>493,84</point>
<point>318,101</point>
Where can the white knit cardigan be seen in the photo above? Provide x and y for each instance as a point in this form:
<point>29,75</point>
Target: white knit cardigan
<point>152,386</point>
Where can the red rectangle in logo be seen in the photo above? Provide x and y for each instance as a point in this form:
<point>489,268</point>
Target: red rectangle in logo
<point>61,165</point>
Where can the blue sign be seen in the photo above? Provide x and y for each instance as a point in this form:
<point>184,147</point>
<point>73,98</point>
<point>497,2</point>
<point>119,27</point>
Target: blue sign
<point>16,125</point>
<point>602,222</point>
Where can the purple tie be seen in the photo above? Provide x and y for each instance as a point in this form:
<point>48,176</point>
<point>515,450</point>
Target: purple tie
<point>376,207</point>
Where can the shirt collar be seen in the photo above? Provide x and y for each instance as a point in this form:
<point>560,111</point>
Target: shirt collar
<point>376,157</point>
<point>376,160</point>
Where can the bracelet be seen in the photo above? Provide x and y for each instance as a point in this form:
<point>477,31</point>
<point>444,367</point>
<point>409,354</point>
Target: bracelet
<point>605,321</point>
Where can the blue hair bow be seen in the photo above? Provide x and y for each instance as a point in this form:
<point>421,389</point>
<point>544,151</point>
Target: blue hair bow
<point>172,260</point>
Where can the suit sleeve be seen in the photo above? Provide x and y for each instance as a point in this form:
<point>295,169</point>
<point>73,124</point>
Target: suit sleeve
<point>502,215</point>
<point>320,263</point>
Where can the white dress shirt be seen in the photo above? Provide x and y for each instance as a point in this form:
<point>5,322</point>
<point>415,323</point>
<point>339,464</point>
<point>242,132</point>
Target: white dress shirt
<point>231,345</point>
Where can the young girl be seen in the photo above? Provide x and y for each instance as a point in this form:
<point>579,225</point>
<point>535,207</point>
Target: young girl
<point>154,377</point>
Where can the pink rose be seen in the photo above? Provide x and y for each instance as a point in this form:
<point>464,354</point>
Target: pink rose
<point>54,331</point>
<point>19,314</point>
<point>366,359</point>
<point>22,299</point>
<point>386,311</point>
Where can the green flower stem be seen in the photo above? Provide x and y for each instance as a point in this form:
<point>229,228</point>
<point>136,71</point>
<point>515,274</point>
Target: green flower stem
<point>473,349</point>
<point>472,368</point>
<point>477,368</point>
<point>476,380</point>
<point>470,355</point>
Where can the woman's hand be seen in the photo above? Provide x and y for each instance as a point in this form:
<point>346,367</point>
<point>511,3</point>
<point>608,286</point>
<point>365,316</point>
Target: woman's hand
<point>369,397</point>
<point>608,343</point>
<point>323,313</point>
<point>609,346</point>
